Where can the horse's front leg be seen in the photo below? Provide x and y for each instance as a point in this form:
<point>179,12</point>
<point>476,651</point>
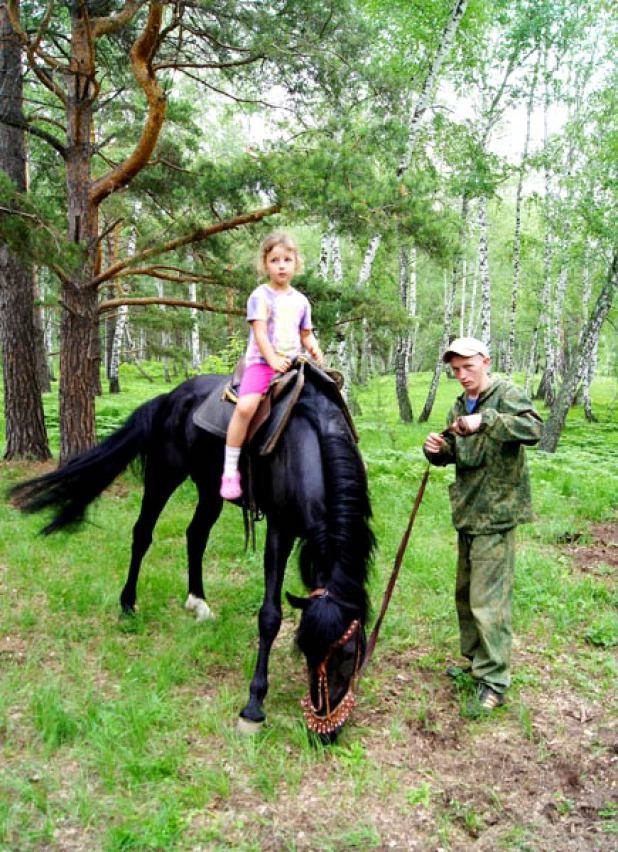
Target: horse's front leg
<point>206,514</point>
<point>277,550</point>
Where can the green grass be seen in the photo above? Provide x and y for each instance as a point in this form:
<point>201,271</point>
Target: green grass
<point>120,735</point>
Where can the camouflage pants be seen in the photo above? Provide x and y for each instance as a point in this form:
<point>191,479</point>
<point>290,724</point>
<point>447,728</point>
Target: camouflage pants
<point>484,600</point>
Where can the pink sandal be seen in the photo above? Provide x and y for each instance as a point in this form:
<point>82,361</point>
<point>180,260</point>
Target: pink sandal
<point>230,487</point>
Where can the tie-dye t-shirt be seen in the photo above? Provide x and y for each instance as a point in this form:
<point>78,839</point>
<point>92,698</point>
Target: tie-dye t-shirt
<point>285,314</point>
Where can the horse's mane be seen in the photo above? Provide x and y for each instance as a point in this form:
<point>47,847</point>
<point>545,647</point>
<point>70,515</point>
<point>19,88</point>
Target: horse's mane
<point>347,539</point>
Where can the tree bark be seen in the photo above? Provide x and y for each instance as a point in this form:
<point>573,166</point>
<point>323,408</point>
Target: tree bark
<point>517,242</point>
<point>449,303</point>
<point>402,351</point>
<point>557,418</point>
<point>26,436</point>
<point>484,273</point>
<point>424,99</point>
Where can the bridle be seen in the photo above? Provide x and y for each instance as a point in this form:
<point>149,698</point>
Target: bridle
<point>322,719</point>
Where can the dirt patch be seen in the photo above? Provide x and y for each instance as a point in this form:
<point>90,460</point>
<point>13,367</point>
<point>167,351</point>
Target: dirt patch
<point>602,551</point>
<point>540,774</point>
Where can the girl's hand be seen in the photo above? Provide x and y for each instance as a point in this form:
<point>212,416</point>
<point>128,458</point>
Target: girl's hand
<point>280,363</point>
<point>317,355</point>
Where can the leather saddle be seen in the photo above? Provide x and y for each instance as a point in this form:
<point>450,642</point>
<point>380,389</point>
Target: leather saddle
<point>274,411</point>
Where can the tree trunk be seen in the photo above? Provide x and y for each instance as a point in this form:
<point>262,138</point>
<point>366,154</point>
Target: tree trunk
<point>195,331</point>
<point>363,277</point>
<point>471,315</point>
<point>484,273</point>
<point>122,318</point>
<point>39,331</point>
<point>464,282</point>
<point>26,436</point>
<point>591,367</point>
<point>412,291</point>
<point>449,303</point>
<point>344,354</point>
<point>517,242</point>
<point>402,351</point>
<point>431,80</point>
<point>557,418</point>
<point>78,296</point>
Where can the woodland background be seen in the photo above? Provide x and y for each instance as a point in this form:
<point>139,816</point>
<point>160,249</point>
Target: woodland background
<point>448,168</point>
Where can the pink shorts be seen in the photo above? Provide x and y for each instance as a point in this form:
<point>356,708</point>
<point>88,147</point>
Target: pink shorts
<point>256,379</point>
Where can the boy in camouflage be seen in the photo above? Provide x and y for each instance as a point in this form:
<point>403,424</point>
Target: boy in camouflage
<point>487,429</point>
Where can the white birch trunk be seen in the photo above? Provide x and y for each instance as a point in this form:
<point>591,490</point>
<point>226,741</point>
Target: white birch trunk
<point>464,280</point>
<point>430,83</point>
<point>484,273</point>
<point>508,367</point>
<point>412,298</point>
<point>165,337</point>
<point>325,253</point>
<point>122,318</point>
<point>590,337</point>
<point>48,333</point>
<point>471,316</point>
<point>196,364</point>
<point>449,304</point>
<point>591,367</point>
<point>402,352</point>
<point>114,364</point>
<point>364,355</point>
<point>343,350</point>
<point>427,92</point>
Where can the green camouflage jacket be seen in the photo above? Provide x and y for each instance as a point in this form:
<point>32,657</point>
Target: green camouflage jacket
<point>491,492</point>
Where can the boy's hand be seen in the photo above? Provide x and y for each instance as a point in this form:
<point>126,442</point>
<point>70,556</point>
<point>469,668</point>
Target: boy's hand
<point>434,442</point>
<point>467,425</point>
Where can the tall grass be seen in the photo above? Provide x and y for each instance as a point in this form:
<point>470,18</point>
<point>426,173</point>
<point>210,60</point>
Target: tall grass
<point>120,735</point>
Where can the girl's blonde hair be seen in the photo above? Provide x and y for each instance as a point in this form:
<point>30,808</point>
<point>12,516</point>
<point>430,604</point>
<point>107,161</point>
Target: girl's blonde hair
<point>278,238</point>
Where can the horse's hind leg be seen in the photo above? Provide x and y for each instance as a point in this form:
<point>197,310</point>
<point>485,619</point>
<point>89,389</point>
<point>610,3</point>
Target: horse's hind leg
<point>157,490</point>
<point>206,514</point>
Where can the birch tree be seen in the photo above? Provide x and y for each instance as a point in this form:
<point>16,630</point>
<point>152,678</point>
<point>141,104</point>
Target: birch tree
<point>518,213</point>
<point>424,99</point>
<point>589,341</point>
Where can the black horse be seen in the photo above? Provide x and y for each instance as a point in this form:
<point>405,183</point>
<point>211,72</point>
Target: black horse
<point>312,487</point>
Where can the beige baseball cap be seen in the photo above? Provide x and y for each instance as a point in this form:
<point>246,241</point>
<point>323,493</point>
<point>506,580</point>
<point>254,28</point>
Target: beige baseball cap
<point>466,347</point>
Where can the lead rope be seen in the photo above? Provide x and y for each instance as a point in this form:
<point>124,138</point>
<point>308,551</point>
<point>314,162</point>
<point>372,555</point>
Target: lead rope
<point>460,428</point>
<point>394,574</point>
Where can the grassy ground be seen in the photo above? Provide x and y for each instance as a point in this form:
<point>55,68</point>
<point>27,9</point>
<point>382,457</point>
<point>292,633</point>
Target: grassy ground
<point>121,735</point>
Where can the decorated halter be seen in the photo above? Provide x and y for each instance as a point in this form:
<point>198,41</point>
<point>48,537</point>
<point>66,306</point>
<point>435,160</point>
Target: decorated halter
<point>331,720</point>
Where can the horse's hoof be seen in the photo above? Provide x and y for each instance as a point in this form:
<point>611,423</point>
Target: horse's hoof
<point>201,609</point>
<point>248,728</point>
<point>127,613</point>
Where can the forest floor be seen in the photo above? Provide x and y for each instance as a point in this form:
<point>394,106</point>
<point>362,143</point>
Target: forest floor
<point>540,774</point>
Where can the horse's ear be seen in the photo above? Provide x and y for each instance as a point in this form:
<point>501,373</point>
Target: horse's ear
<point>298,603</point>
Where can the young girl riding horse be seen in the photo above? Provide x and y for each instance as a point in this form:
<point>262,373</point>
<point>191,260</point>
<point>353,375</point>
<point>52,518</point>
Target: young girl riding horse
<point>280,326</point>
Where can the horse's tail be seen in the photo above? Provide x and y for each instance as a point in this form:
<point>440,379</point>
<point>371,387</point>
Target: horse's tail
<point>72,488</point>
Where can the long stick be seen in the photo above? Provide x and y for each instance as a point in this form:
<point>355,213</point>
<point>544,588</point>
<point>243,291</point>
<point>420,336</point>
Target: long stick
<point>393,578</point>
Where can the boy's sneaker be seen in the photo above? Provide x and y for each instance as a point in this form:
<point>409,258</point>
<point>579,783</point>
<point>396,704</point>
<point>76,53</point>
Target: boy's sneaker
<point>484,701</point>
<point>230,487</point>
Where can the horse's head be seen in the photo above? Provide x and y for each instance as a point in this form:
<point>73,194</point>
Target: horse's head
<point>332,638</point>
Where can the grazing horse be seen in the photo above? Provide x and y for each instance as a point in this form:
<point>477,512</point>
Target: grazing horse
<point>311,487</point>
